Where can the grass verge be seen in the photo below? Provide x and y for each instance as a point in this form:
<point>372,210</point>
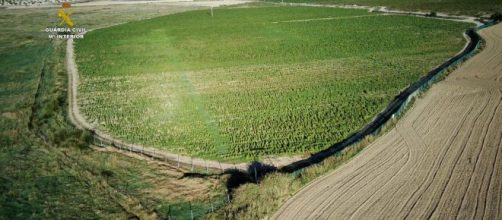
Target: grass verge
<point>47,169</point>
<point>253,82</point>
<point>458,7</point>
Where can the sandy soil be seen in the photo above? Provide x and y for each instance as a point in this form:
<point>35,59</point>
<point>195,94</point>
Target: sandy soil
<point>441,161</point>
<point>206,3</point>
<point>385,10</point>
<point>194,3</point>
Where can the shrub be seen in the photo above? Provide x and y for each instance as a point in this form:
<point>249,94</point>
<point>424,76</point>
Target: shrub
<point>497,16</point>
<point>432,14</point>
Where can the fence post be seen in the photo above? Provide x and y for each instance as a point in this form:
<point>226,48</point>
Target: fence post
<point>168,212</point>
<point>191,212</point>
<point>178,161</point>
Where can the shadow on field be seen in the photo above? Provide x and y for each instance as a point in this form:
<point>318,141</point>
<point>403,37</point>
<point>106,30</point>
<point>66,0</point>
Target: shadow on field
<point>256,171</point>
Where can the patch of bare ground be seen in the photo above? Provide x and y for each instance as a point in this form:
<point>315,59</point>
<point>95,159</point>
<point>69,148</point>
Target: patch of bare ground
<point>10,115</point>
<point>441,161</point>
<point>168,179</point>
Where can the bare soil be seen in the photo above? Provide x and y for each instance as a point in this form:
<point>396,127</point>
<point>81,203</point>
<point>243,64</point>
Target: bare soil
<point>441,161</point>
<point>189,3</point>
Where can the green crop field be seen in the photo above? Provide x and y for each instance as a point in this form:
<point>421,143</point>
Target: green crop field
<point>253,82</point>
<point>464,7</point>
<point>47,170</point>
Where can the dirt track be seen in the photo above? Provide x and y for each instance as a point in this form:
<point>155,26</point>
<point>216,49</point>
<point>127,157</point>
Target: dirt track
<point>77,118</point>
<point>80,121</point>
<point>442,160</point>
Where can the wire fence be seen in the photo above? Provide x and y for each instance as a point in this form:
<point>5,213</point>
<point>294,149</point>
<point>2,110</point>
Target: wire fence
<point>195,164</point>
<point>195,210</point>
<point>192,210</point>
<point>394,110</point>
<point>397,107</point>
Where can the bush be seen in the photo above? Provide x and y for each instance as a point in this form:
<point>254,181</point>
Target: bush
<point>432,14</point>
<point>497,16</point>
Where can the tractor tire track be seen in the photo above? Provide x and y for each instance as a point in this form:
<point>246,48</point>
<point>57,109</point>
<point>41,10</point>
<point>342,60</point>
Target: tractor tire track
<point>453,170</point>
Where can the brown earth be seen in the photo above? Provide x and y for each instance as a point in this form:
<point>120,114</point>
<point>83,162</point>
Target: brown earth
<point>78,118</point>
<point>441,161</point>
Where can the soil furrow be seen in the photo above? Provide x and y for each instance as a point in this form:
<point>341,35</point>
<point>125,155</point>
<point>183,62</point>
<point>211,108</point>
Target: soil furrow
<point>454,135</point>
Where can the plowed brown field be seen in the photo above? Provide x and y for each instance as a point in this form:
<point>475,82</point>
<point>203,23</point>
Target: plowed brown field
<point>443,160</point>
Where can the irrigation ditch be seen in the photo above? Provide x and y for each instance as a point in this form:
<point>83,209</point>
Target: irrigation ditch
<point>400,104</point>
<point>255,171</point>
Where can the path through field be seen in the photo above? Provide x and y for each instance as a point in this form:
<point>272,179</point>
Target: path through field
<point>78,120</point>
<point>442,160</point>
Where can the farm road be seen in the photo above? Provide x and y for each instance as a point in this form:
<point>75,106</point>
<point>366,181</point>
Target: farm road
<point>77,119</point>
<point>441,161</point>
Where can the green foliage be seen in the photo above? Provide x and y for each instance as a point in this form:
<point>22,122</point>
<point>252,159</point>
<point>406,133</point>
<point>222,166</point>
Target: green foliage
<point>185,210</point>
<point>263,200</point>
<point>260,201</point>
<point>239,85</point>
<point>47,170</point>
<point>469,7</point>
<point>497,16</point>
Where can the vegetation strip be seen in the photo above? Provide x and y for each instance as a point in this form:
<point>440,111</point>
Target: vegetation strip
<point>441,158</point>
<point>48,169</point>
<point>283,89</point>
<point>103,138</point>
<point>325,19</point>
<point>154,153</point>
<point>395,108</point>
<point>457,7</point>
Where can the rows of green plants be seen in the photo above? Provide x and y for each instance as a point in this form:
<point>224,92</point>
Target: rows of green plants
<point>253,82</point>
<point>47,170</point>
<point>462,7</point>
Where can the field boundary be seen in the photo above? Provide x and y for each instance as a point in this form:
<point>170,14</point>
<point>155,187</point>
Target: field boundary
<point>326,19</point>
<point>385,10</point>
<point>398,106</point>
<point>103,139</point>
<point>468,90</point>
<point>394,109</point>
